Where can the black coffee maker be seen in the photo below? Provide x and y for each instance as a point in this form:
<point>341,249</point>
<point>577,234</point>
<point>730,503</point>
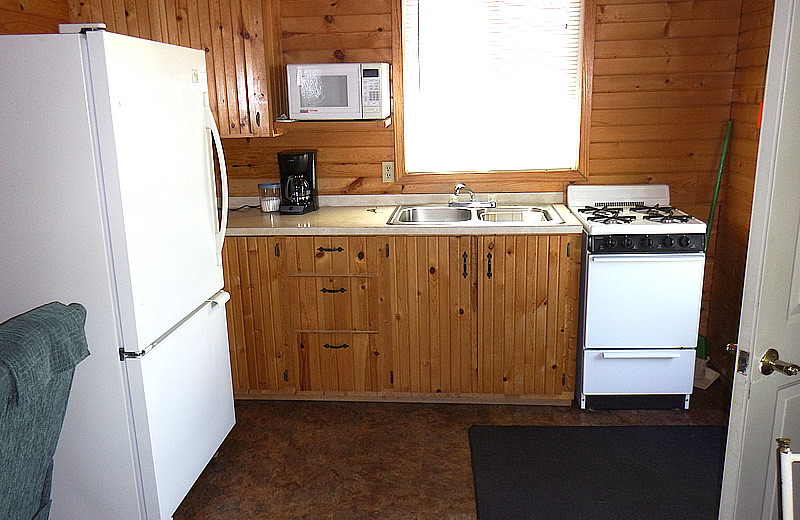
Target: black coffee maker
<point>298,171</point>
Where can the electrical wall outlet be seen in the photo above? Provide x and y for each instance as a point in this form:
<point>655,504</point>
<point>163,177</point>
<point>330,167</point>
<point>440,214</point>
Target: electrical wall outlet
<point>387,171</point>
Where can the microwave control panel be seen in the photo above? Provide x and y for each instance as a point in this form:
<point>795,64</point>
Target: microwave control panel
<point>374,90</point>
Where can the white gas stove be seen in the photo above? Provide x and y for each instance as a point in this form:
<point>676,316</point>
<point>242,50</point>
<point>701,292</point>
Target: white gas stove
<point>641,287</point>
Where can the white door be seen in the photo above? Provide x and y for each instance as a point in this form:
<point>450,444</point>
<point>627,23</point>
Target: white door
<point>154,151</point>
<point>182,406</point>
<point>765,407</point>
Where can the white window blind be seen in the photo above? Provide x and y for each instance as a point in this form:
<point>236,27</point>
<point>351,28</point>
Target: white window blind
<point>491,85</point>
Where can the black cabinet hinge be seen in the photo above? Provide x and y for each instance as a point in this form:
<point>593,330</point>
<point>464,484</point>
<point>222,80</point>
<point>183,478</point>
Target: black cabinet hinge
<point>286,375</point>
<point>277,249</point>
<point>391,376</point>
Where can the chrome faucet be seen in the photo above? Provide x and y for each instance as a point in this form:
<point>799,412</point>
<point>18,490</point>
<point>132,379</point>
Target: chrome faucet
<point>460,187</point>
<point>473,200</point>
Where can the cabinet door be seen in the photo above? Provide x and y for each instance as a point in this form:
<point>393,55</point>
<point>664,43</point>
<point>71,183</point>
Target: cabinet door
<point>261,360</point>
<point>527,295</point>
<point>340,362</point>
<point>434,299</point>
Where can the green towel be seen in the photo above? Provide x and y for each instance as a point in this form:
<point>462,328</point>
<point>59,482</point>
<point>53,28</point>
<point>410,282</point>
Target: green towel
<point>40,344</point>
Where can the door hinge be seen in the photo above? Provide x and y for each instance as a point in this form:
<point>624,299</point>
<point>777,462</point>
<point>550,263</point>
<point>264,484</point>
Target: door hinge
<point>563,379</point>
<point>286,375</point>
<point>277,249</point>
<point>391,376</point>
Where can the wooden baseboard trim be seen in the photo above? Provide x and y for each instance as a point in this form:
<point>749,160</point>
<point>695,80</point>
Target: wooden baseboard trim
<point>534,400</point>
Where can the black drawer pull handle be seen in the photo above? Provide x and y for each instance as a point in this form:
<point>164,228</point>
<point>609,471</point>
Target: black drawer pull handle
<point>330,249</point>
<point>489,258</point>
<point>335,347</point>
<point>325,290</point>
<point>464,274</point>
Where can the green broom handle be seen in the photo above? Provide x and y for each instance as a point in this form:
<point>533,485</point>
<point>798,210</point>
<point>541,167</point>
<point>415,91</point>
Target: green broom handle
<point>719,179</point>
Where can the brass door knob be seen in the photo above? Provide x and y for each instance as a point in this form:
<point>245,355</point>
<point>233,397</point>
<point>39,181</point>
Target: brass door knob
<point>771,363</point>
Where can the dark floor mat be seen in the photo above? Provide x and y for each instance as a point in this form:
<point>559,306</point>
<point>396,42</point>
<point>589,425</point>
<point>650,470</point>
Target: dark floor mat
<point>597,472</point>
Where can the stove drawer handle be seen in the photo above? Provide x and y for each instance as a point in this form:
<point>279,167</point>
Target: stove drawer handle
<point>641,355</point>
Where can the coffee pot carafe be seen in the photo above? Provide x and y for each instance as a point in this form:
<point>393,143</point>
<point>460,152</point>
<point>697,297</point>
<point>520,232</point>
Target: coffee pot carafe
<point>298,182</point>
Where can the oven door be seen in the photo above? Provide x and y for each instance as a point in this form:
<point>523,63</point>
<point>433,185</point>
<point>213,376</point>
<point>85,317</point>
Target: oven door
<point>642,300</point>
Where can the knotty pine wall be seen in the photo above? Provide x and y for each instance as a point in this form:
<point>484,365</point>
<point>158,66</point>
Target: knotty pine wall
<point>734,213</point>
<point>32,16</point>
<point>662,85</point>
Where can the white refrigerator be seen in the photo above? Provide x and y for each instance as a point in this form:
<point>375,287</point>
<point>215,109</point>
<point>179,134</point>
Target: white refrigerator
<point>108,199</point>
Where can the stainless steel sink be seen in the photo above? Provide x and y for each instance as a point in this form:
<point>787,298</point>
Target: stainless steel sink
<point>429,215</point>
<point>506,215</point>
<point>443,215</point>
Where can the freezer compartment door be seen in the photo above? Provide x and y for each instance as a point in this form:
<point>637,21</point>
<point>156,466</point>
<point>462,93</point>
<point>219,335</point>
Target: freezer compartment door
<point>643,301</point>
<point>644,372</point>
<point>182,403</point>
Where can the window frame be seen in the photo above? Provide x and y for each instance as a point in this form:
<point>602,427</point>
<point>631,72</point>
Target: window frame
<point>516,180</point>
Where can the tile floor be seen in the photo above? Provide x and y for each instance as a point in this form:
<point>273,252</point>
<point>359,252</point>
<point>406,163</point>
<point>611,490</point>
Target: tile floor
<point>352,461</point>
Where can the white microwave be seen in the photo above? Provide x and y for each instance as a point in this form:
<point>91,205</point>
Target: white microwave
<point>338,91</point>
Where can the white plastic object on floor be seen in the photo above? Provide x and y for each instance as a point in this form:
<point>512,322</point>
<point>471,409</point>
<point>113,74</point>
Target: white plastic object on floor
<point>787,494</point>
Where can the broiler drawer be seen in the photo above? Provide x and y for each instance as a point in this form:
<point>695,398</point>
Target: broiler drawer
<point>639,371</point>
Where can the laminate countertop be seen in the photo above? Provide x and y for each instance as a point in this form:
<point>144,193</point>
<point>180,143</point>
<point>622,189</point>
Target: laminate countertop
<point>371,220</point>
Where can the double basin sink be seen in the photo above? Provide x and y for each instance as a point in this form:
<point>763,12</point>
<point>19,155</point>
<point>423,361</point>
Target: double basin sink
<point>445,215</point>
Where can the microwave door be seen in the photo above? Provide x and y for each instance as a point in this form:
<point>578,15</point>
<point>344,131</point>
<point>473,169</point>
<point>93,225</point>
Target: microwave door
<point>326,91</point>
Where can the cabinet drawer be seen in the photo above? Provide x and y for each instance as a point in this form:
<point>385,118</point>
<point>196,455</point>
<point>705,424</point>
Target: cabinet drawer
<point>334,255</point>
<point>341,363</point>
<point>641,371</point>
<point>334,303</point>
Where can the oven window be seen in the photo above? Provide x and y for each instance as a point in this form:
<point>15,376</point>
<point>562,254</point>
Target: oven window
<point>323,91</point>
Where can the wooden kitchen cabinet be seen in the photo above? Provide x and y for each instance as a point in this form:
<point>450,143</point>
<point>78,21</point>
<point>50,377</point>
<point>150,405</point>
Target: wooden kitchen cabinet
<point>481,319</point>
<point>489,315</point>
<point>242,44</point>
<point>434,299</point>
<point>261,359</point>
<point>339,312</point>
<point>528,303</point>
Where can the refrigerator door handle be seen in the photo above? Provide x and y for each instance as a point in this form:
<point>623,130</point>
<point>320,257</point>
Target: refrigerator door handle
<point>212,127</point>
<point>218,299</point>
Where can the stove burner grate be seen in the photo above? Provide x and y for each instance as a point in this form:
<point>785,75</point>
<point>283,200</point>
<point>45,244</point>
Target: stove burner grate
<point>650,209</point>
<point>593,210</point>
<point>668,218</point>
<point>611,219</point>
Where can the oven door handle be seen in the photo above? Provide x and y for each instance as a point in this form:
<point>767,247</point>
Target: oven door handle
<point>657,257</point>
<point>642,355</point>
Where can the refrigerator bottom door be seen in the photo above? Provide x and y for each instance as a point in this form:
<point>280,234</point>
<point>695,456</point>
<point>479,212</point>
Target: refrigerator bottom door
<point>619,372</point>
<point>182,403</point>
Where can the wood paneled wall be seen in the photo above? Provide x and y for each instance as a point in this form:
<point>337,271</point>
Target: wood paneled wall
<point>32,16</point>
<point>734,213</point>
<point>234,34</point>
<point>663,74</point>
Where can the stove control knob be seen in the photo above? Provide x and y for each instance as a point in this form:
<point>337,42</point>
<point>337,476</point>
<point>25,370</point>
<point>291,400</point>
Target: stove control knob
<point>610,243</point>
<point>668,242</point>
<point>648,242</point>
<point>685,241</point>
<point>627,243</point>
